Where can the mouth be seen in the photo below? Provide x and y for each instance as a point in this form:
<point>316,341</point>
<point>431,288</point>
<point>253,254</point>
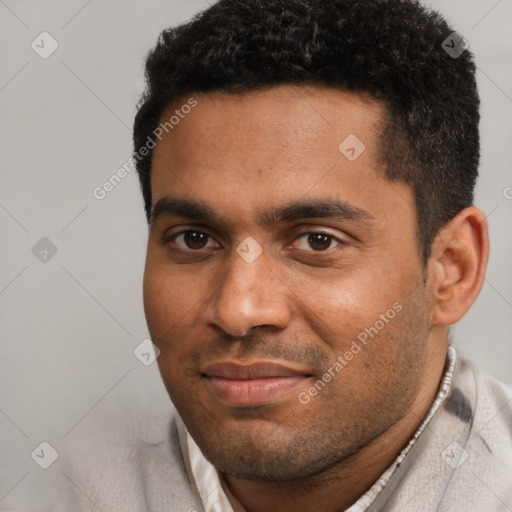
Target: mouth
<point>257,383</point>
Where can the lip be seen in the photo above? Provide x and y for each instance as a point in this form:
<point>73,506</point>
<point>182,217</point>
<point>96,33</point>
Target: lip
<point>253,370</point>
<point>252,384</point>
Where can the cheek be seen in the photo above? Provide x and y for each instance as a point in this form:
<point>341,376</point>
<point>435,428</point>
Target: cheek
<point>173,299</point>
<point>161,291</point>
<point>339,303</point>
<point>164,312</point>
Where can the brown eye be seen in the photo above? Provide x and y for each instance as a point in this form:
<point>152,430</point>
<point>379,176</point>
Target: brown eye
<point>319,241</point>
<point>195,239</point>
<point>190,240</point>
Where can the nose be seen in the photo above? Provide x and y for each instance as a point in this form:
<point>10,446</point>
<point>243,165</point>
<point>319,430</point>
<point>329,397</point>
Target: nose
<point>249,295</point>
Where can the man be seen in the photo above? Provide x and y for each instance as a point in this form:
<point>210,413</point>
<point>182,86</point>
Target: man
<point>308,171</point>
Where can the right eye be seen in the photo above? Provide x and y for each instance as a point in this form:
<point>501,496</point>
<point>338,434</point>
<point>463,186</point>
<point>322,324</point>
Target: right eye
<point>192,240</point>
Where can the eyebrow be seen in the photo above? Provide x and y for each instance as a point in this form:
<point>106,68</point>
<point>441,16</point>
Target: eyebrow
<point>330,208</point>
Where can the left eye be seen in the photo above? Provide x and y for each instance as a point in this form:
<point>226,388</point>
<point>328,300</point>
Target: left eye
<point>317,241</point>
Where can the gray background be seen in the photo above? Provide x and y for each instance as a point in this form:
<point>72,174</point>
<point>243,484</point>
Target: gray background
<point>69,325</point>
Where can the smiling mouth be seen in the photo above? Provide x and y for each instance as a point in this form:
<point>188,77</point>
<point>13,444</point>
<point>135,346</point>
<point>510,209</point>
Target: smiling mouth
<point>252,384</point>
<point>250,392</point>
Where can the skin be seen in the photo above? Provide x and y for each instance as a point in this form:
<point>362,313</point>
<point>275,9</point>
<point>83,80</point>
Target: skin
<point>299,303</point>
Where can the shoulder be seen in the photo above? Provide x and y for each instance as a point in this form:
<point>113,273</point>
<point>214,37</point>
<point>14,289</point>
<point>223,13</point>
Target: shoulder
<point>126,464</point>
<point>463,458</point>
<point>481,477</point>
<point>493,400</point>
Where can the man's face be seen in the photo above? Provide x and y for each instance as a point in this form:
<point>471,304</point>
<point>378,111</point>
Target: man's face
<point>304,289</point>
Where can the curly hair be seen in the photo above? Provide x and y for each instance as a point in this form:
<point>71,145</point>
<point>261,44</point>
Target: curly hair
<point>390,49</point>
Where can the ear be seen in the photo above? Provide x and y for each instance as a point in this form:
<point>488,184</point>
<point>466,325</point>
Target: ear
<point>458,264</point>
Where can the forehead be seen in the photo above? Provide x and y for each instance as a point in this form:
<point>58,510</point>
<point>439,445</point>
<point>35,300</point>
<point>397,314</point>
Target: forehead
<point>282,119</point>
<point>239,152</point>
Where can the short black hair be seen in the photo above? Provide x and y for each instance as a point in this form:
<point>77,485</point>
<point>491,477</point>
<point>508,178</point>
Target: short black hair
<point>394,50</point>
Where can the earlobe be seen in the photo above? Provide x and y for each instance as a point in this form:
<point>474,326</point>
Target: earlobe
<point>459,260</point>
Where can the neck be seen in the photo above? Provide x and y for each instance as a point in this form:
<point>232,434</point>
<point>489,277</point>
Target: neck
<point>337,488</point>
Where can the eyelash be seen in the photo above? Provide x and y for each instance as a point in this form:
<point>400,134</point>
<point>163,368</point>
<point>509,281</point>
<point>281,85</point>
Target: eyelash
<point>168,239</point>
